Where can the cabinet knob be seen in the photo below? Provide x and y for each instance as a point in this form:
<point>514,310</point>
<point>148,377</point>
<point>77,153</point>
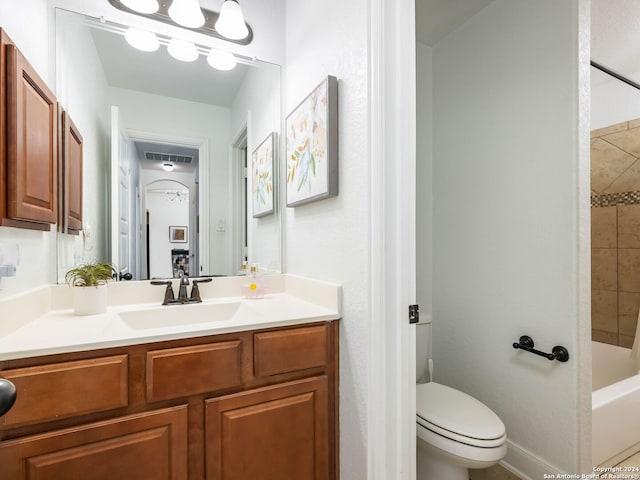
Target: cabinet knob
<point>7,395</point>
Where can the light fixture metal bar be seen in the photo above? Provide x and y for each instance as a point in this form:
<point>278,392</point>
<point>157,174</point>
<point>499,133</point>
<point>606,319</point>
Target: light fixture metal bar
<point>210,19</point>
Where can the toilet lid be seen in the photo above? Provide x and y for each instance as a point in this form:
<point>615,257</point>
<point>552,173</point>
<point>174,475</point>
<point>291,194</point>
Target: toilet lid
<point>457,412</point>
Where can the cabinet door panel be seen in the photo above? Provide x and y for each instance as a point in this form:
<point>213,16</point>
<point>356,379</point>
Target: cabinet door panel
<point>61,390</point>
<point>147,446</point>
<point>288,350</point>
<point>72,171</point>
<point>32,122</point>
<point>278,432</point>
<point>180,372</point>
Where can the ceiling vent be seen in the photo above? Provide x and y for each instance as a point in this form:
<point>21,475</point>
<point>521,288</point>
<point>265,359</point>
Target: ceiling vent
<point>165,157</point>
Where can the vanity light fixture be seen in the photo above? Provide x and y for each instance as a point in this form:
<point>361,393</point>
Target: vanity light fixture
<point>142,39</point>
<point>168,167</point>
<point>186,13</point>
<point>142,6</point>
<point>231,23</point>
<point>211,17</point>
<point>182,50</point>
<point>221,60</point>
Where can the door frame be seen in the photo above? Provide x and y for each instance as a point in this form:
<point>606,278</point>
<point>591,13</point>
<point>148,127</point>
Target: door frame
<point>202,144</point>
<point>392,140</point>
<point>238,141</point>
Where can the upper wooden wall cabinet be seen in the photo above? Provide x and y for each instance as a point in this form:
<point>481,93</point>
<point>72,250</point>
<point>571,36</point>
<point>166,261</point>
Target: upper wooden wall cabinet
<point>71,181</point>
<point>28,144</point>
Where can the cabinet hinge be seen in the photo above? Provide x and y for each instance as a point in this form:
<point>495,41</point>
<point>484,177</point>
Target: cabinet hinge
<point>414,313</point>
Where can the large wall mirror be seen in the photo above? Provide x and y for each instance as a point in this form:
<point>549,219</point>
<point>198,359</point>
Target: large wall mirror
<point>168,149</point>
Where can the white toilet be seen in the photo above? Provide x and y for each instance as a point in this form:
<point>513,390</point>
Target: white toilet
<point>455,431</point>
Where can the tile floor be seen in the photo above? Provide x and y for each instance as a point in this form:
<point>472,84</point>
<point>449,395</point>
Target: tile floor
<point>493,473</point>
<point>499,473</point>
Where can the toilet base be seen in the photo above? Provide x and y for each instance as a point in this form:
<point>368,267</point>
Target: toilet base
<point>431,467</point>
<point>434,463</point>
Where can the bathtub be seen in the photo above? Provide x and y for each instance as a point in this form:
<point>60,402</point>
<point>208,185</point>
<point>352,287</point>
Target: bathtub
<point>615,405</point>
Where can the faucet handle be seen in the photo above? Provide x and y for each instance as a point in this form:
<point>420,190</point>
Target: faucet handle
<point>195,293</point>
<point>195,290</point>
<point>169,296</point>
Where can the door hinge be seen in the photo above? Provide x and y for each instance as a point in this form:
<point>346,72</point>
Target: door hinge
<point>414,313</point>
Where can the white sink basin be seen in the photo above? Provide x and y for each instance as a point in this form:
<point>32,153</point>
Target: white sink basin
<point>179,315</point>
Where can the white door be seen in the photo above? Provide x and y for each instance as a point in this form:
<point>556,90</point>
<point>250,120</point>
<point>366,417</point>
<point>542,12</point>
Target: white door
<point>124,204</point>
<point>120,196</point>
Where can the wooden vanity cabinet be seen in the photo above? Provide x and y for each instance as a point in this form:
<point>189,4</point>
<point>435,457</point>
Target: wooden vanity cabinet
<point>29,151</point>
<point>256,405</point>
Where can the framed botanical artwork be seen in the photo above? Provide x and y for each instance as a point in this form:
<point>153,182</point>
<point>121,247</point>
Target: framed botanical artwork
<point>312,146</point>
<point>178,234</point>
<point>262,177</point>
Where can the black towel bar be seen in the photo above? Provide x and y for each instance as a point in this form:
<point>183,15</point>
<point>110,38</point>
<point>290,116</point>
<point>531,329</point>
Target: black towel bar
<point>557,353</point>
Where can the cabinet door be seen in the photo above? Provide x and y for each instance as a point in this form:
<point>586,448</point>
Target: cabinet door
<point>273,433</point>
<point>146,446</point>
<point>32,122</point>
<point>72,172</point>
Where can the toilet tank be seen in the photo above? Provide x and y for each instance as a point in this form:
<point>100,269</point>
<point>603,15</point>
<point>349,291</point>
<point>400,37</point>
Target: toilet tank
<point>423,347</point>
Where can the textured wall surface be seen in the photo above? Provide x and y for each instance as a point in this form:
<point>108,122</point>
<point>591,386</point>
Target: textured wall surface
<point>329,239</point>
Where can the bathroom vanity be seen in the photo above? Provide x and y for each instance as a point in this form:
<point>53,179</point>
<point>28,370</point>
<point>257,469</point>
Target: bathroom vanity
<point>188,399</point>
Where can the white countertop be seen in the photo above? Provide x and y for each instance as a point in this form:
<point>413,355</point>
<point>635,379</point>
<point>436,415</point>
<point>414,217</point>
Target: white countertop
<point>60,331</point>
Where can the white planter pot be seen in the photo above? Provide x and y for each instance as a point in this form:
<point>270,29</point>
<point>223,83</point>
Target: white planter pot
<point>90,300</point>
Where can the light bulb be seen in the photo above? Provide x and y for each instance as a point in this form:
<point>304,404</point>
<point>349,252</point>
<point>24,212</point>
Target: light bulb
<point>142,39</point>
<point>182,50</point>
<point>230,23</point>
<point>142,6</point>
<point>221,60</point>
<point>186,13</point>
<point>167,167</point>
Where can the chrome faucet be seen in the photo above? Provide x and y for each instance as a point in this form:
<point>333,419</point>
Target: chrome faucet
<point>183,297</point>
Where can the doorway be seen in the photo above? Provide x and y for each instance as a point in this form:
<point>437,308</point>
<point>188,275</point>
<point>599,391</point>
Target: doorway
<point>148,157</point>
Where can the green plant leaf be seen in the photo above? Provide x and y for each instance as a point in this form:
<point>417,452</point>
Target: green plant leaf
<point>90,274</point>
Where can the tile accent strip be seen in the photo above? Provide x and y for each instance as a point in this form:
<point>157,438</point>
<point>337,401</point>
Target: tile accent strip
<point>613,199</point>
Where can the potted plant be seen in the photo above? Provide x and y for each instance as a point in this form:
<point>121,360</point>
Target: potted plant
<point>90,296</point>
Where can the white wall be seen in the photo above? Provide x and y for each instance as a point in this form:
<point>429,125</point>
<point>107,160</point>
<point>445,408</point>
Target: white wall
<point>329,239</point>
<point>612,101</point>
<point>29,23</point>
<point>82,91</point>
<point>171,117</point>
<point>424,198</point>
<point>257,104</point>
<point>507,260</point>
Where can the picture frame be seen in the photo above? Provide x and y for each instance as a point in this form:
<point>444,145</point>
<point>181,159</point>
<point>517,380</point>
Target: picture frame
<point>312,146</point>
<point>178,234</point>
<point>262,177</point>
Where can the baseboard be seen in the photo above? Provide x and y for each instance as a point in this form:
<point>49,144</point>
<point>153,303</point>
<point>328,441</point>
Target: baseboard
<point>525,464</point>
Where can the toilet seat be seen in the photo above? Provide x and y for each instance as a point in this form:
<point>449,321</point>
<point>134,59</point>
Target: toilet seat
<point>455,415</point>
<point>474,442</point>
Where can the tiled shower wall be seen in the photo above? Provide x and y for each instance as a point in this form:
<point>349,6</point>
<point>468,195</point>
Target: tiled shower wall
<point>615,273</point>
<point>615,233</point>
